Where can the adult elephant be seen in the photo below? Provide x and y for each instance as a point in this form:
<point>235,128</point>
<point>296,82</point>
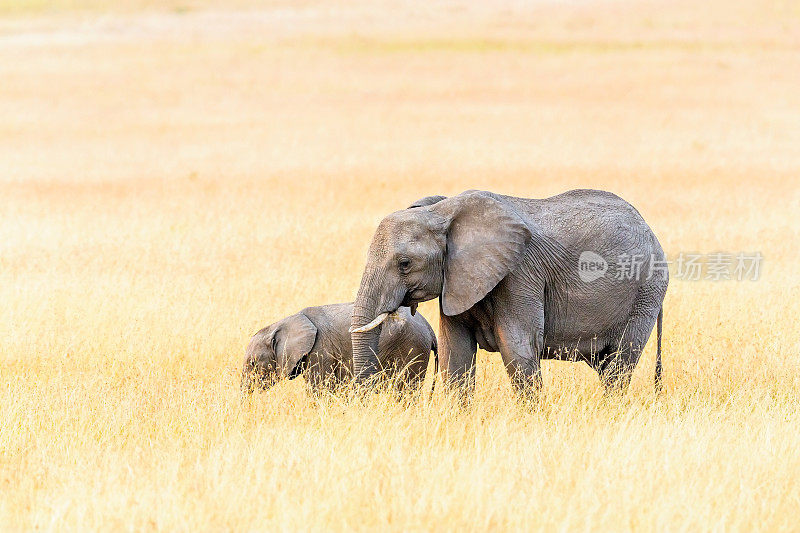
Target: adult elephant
<point>578,276</point>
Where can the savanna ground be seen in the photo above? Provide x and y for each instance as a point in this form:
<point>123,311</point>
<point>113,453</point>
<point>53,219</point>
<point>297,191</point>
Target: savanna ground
<point>174,176</point>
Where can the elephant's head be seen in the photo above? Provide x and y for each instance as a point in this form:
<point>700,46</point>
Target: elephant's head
<point>455,248</point>
<point>277,351</point>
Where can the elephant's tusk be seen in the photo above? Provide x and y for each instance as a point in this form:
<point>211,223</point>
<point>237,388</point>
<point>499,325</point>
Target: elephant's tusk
<point>372,325</point>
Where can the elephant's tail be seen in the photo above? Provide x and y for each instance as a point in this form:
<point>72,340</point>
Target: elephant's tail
<point>435,349</point>
<point>659,383</point>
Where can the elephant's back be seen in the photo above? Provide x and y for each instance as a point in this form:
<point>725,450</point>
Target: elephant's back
<point>404,333</point>
<point>423,329</point>
<point>333,329</point>
<point>592,220</point>
<point>586,205</point>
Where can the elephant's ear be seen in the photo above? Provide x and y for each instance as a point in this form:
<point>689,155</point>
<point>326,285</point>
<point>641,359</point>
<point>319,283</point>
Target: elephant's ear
<point>293,340</point>
<point>486,240</point>
<point>428,200</point>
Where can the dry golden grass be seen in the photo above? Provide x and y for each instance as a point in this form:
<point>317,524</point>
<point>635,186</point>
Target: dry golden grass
<point>171,180</point>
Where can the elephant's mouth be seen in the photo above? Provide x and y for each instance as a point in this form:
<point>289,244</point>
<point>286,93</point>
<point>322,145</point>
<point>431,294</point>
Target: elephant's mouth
<point>412,299</point>
<point>410,303</point>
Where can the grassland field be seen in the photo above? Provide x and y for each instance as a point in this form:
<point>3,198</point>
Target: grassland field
<point>174,176</point>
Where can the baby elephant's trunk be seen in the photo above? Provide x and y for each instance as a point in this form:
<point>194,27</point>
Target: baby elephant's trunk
<point>256,376</point>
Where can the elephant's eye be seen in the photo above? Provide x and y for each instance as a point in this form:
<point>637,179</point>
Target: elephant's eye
<point>404,265</point>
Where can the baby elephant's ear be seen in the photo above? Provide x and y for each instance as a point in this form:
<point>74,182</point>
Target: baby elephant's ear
<point>428,200</point>
<point>293,340</point>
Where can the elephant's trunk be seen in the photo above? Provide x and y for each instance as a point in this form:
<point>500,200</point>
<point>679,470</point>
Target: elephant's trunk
<point>366,325</point>
<point>364,339</point>
<point>257,374</point>
<point>257,380</point>
<point>247,385</point>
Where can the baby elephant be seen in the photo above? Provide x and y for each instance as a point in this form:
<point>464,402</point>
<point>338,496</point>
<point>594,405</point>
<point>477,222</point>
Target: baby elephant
<point>317,341</point>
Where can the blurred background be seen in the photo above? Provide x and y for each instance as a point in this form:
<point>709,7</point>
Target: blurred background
<point>176,175</point>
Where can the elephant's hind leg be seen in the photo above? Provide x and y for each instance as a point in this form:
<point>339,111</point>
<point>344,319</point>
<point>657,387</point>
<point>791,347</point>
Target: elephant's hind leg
<point>615,364</point>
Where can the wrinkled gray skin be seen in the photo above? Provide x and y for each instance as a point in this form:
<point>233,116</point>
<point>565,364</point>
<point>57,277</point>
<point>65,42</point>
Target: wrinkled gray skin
<point>506,272</point>
<point>317,341</point>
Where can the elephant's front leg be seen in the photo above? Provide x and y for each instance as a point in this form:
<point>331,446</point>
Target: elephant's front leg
<point>519,331</point>
<point>457,347</point>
